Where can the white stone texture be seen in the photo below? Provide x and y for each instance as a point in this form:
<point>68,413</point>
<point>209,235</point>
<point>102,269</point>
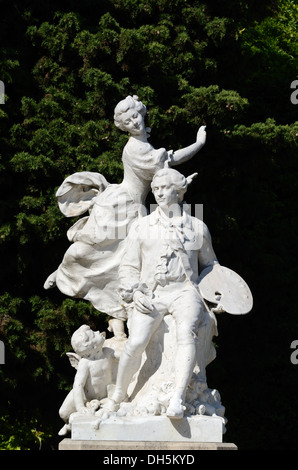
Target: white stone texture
<point>149,428</point>
<point>161,275</point>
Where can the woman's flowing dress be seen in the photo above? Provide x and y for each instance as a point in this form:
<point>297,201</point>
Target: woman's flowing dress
<point>89,269</point>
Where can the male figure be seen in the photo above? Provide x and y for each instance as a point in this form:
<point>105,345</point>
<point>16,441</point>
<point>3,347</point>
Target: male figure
<point>159,274</point>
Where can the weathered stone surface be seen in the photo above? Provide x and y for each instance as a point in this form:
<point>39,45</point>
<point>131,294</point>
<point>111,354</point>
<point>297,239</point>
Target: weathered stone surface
<point>148,428</point>
<point>69,444</point>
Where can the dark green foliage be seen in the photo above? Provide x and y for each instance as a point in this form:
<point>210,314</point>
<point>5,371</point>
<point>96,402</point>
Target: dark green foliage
<point>228,65</point>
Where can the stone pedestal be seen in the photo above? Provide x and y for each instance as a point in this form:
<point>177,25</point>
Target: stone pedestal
<point>146,433</point>
<point>70,444</point>
<point>148,428</point>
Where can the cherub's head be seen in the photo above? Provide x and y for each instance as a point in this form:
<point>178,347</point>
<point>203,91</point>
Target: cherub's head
<point>129,115</point>
<point>85,341</point>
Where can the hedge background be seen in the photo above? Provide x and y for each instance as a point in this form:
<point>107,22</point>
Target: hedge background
<point>226,65</point>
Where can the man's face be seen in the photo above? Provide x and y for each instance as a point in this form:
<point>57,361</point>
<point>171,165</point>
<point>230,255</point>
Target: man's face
<point>164,191</point>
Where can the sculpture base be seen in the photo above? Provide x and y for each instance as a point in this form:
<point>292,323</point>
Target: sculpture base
<point>70,444</point>
<point>147,428</point>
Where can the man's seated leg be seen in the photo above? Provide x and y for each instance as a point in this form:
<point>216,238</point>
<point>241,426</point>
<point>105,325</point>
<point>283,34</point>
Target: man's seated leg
<point>141,328</point>
<point>188,311</point>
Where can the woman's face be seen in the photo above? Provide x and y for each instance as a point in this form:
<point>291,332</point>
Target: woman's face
<point>133,122</point>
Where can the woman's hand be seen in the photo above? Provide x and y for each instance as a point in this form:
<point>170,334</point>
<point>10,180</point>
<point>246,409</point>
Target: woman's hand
<point>201,135</point>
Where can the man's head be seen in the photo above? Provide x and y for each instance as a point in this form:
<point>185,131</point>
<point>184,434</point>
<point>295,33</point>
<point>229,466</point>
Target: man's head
<point>169,186</point>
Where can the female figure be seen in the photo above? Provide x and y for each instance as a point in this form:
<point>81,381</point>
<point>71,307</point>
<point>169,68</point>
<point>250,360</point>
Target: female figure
<point>89,269</point>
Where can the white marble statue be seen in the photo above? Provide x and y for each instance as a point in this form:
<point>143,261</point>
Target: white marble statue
<point>158,273</point>
<point>160,369</point>
<point>89,269</point>
<point>165,252</point>
<point>96,364</point>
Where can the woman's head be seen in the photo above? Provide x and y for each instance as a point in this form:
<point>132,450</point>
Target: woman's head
<point>129,114</point>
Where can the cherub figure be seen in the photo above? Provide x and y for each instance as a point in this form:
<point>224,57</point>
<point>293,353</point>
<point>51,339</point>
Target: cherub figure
<point>95,366</point>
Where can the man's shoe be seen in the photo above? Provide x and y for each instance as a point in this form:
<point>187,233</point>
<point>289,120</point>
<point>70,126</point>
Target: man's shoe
<point>175,409</point>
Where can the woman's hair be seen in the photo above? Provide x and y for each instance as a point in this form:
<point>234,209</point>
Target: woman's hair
<point>130,102</point>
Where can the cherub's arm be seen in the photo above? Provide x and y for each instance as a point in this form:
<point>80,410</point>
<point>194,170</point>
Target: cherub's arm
<point>79,384</point>
<point>182,155</point>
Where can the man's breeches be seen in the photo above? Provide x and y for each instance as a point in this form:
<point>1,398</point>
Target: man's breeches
<point>180,299</point>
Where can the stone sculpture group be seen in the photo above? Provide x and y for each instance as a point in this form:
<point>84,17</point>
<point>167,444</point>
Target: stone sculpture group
<point>157,277</point>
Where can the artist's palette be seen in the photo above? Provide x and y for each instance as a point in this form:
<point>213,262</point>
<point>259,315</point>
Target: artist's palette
<point>221,285</point>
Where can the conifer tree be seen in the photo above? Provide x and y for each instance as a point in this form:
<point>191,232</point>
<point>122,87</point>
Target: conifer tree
<point>65,65</point>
